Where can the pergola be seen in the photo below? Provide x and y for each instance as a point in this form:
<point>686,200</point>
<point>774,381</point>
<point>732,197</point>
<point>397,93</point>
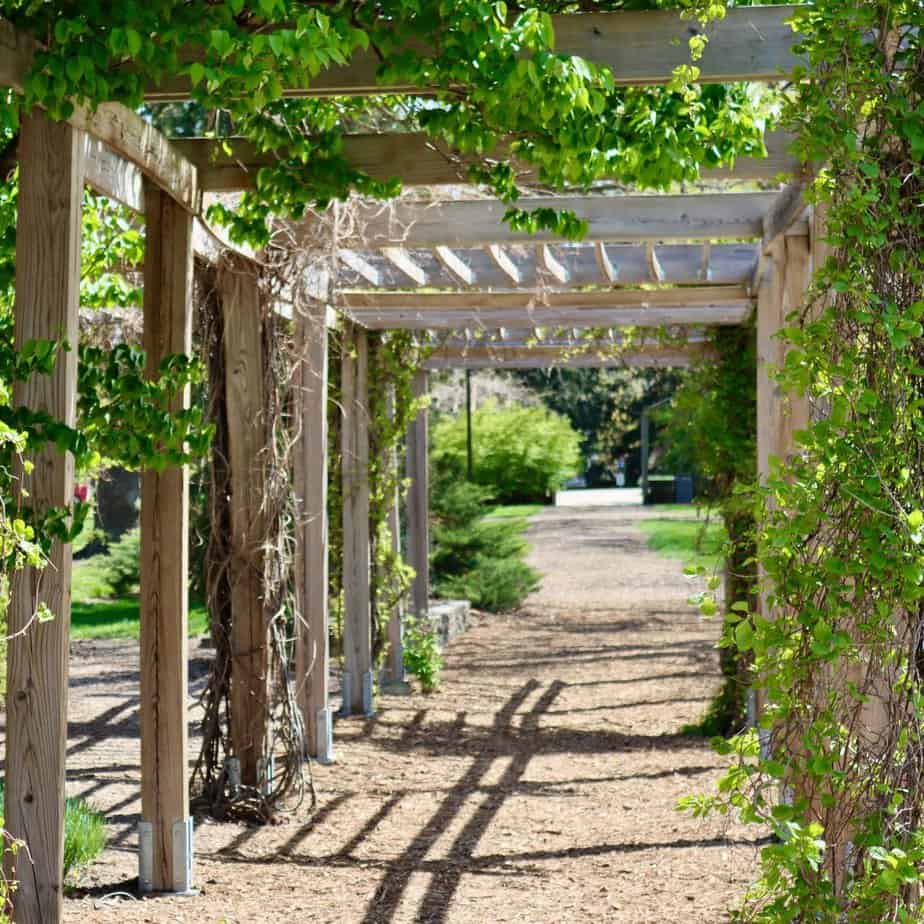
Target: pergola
<point>493,298</point>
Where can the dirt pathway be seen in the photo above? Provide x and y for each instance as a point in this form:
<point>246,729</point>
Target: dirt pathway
<point>538,786</point>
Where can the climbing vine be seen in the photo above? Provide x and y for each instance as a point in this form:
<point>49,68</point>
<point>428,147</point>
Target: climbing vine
<point>837,651</point>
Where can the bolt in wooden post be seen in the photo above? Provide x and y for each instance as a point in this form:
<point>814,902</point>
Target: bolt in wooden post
<point>51,158</point>
<point>357,626</point>
<point>166,832</point>
<point>247,442</point>
<point>418,514</point>
<point>312,648</point>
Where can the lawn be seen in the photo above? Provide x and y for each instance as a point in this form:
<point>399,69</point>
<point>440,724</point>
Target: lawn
<point>95,613</point>
<point>515,510</point>
<point>694,541</point>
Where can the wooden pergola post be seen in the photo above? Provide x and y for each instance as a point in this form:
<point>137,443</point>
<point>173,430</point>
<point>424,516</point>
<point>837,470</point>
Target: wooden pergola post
<point>312,647</point>
<point>165,834</point>
<point>357,620</point>
<point>48,234</point>
<point>394,667</point>
<point>418,512</point>
<point>247,440</point>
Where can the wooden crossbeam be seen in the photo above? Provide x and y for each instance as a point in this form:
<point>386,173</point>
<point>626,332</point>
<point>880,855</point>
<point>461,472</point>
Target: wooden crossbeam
<point>360,266</point>
<point>455,266</point>
<point>418,160</point>
<point>538,358</point>
<point>550,266</point>
<point>488,319</point>
<point>504,263</point>
<point>609,272</point>
<point>535,300</point>
<point>477,222</point>
<point>402,260</point>
<point>641,48</point>
<point>654,265</point>
<point>116,126</point>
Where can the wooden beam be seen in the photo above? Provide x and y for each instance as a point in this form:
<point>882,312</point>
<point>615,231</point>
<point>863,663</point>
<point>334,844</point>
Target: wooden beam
<point>402,260</point>
<point>114,177</point>
<point>556,317</point>
<point>250,704</point>
<point>166,833</point>
<point>654,267</point>
<point>360,266</point>
<point>394,665</point>
<point>460,223</point>
<point>609,272</point>
<point>537,300</point>
<point>116,126</point>
<point>533,358</point>
<point>550,265</point>
<point>47,301</point>
<point>418,501</point>
<point>357,626</point>
<point>504,263</point>
<point>416,159</point>
<point>641,48</point>
<point>312,648</point>
<point>788,207</point>
<point>705,266</point>
<point>455,266</point>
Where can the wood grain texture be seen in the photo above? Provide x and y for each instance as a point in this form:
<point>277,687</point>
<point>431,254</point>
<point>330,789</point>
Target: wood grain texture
<point>395,658</point>
<point>47,303</point>
<point>247,441</point>
<point>557,357</point>
<point>475,222</point>
<point>117,126</point>
<point>641,48</point>
<point>312,649</point>
<point>357,625</point>
<point>418,503</point>
<point>165,547</point>
<point>419,160</point>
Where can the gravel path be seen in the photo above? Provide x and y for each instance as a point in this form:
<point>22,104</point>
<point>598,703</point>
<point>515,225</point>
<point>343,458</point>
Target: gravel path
<point>537,786</point>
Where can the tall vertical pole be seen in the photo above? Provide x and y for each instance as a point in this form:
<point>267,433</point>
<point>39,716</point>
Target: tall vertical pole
<point>247,446</point>
<point>51,158</point>
<point>469,457</point>
<point>312,646</point>
<point>418,513</point>
<point>357,616</point>
<point>165,835</point>
<point>644,450</point>
<point>395,665</point>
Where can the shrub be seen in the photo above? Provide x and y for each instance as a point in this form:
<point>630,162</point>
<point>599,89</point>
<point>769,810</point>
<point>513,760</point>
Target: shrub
<point>422,656</point>
<point>478,559</point>
<point>520,454</point>
<point>84,833</point>
<point>122,564</point>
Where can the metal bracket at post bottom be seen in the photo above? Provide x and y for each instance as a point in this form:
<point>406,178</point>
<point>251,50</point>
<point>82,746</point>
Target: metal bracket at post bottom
<point>266,770</point>
<point>182,856</point>
<point>324,745</point>
<point>368,694</point>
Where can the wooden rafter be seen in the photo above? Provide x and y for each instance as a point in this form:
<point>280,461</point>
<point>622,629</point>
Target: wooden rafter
<point>456,267</point>
<point>641,48</point>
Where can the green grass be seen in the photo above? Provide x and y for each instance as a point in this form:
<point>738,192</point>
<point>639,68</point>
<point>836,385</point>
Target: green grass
<point>515,510</point>
<point>119,618</point>
<point>84,833</point>
<point>692,541</point>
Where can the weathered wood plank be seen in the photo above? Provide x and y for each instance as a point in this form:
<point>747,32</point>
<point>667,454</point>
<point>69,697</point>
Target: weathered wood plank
<point>487,319</point>
<point>418,502</point>
<point>117,126</point>
<point>460,223</point>
<point>641,48</point>
<point>312,648</point>
<point>503,262</point>
<point>247,440</point>
<point>537,300</point>
<point>165,560</point>
<point>357,626</point>
<point>419,160</point>
<point>535,358</point>
<point>455,266</point>
<point>550,266</point>
<point>401,259</point>
<point>47,302</point>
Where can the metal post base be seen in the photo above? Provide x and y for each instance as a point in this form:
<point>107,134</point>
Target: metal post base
<point>182,844</point>
<point>368,694</point>
<point>324,746</point>
<point>346,694</point>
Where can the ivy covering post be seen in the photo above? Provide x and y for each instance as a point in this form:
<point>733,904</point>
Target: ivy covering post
<point>48,237</point>
<point>418,501</point>
<point>165,835</point>
<point>357,614</point>
<point>312,643</point>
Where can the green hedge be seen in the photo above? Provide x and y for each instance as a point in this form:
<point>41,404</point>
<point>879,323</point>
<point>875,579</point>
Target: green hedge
<point>520,454</point>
